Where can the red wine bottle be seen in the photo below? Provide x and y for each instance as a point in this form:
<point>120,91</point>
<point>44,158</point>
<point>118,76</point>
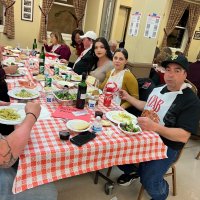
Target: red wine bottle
<point>81,95</point>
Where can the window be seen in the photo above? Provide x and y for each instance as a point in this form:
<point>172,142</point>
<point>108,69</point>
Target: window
<point>178,38</point>
<point>1,17</point>
<point>62,17</point>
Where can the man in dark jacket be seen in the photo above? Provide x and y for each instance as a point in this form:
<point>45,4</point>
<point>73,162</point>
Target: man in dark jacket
<point>6,129</point>
<point>86,60</point>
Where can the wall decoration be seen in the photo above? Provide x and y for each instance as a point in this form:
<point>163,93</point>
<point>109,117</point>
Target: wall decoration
<point>135,23</point>
<point>27,10</point>
<point>152,25</point>
<point>196,35</point>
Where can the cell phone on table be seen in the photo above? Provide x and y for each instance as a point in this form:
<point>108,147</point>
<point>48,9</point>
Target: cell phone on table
<point>83,138</point>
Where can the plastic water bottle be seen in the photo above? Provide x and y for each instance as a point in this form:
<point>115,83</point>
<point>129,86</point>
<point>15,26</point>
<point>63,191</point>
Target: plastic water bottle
<point>97,126</point>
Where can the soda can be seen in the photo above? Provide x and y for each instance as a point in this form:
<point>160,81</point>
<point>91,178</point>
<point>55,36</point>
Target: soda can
<point>41,69</point>
<point>48,81</point>
<point>56,70</point>
<point>68,77</point>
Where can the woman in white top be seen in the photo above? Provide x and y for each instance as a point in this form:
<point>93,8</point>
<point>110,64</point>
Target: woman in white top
<point>103,55</point>
<point>121,77</point>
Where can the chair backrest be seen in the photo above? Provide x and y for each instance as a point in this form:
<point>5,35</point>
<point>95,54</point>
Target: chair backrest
<point>194,88</point>
<point>145,85</point>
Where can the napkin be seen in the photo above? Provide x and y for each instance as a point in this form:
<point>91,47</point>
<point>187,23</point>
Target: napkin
<point>69,112</point>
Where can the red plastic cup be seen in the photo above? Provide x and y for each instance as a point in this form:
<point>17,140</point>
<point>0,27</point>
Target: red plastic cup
<point>107,99</point>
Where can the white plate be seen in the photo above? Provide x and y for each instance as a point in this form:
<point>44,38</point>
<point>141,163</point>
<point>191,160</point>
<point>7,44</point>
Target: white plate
<point>15,51</point>
<point>77,78</point>
<point>19,107</point>
<point>130,133</point>
<point>39,77</point>
<point>19,64</point>
<point>63,83</point>
<point>117,117</point>
<point>8,47</point>
<point>73,123</point>
<point>14,91</point>
<point>52,54</point>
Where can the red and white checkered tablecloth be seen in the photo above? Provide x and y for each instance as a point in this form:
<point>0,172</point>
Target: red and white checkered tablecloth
<point>46,158</point>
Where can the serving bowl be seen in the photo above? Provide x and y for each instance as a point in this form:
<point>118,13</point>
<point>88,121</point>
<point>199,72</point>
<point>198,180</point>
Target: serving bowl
<point>134,131</point>
<point>65,97</point>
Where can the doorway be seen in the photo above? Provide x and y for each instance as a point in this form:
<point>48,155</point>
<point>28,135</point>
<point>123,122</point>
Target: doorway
<point>122,25</point>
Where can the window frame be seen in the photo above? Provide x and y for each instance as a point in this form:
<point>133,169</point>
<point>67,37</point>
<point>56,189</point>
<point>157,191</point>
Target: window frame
<point>2,26</point>
<point>66,37</point>
<point>183,42</point>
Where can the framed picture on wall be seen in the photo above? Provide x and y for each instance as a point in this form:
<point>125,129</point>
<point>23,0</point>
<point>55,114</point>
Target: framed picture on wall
<point>196,35</point>
<point>27,10</point>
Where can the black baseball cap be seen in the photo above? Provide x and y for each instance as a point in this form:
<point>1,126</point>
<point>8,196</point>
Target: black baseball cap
<point>178,59</point>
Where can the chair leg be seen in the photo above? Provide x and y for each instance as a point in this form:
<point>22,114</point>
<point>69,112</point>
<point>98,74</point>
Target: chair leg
<point>109,171</point>
<point>96,178</point>
<point>174,180</point>
<point>198,156</point>
<point>140,193</point>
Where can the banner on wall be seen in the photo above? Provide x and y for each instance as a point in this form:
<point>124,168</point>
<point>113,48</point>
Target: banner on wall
<point>135,23</point>
<point>152,25</point>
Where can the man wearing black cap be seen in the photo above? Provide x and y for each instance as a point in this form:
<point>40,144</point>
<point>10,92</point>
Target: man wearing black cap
<point>86,60</point>
<point>172,111</point>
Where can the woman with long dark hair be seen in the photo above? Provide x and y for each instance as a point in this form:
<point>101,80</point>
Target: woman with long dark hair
<point>103,56</point>
<point>77,41</point>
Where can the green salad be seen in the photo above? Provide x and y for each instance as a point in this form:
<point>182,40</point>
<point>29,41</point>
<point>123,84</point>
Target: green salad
<point>65,95</point>
<point>130,127</point>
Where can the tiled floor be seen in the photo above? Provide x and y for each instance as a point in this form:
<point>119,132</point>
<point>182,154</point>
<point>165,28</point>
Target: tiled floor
<point>188,182</point>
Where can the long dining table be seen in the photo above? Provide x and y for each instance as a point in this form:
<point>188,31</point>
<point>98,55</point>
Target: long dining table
<point>46,158</point>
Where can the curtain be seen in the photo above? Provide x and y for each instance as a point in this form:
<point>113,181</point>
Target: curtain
<point>9,26</point>
<point>46,7</point>
<point>194,12</point>
<point>177,10</point>
<point>79,6</point>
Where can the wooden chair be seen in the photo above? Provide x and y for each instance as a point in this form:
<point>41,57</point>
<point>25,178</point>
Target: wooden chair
<point>194,88</point>
<point>198,156</point>
<point>171,172</point>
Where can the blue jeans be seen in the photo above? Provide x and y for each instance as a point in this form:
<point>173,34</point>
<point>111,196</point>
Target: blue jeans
<point>42,192</point>
<point>151,174</point>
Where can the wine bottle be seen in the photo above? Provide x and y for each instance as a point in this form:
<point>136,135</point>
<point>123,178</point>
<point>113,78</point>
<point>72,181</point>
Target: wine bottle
<point>81,95</point>
<point>41,61</point>
<point>34,45</point>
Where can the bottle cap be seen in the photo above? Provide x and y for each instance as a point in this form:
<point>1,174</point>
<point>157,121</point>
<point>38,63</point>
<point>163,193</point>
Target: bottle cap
<point>98,118</point>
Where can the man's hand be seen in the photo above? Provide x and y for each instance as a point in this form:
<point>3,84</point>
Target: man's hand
<point>33,108</point>
<point>147,124</point>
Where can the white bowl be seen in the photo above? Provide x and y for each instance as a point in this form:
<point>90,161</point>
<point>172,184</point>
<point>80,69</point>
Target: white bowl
<point>66,102</point>
<point>130,133</point>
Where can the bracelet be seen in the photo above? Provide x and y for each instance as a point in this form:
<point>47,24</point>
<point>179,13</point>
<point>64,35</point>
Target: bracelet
<point>32,114</point>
